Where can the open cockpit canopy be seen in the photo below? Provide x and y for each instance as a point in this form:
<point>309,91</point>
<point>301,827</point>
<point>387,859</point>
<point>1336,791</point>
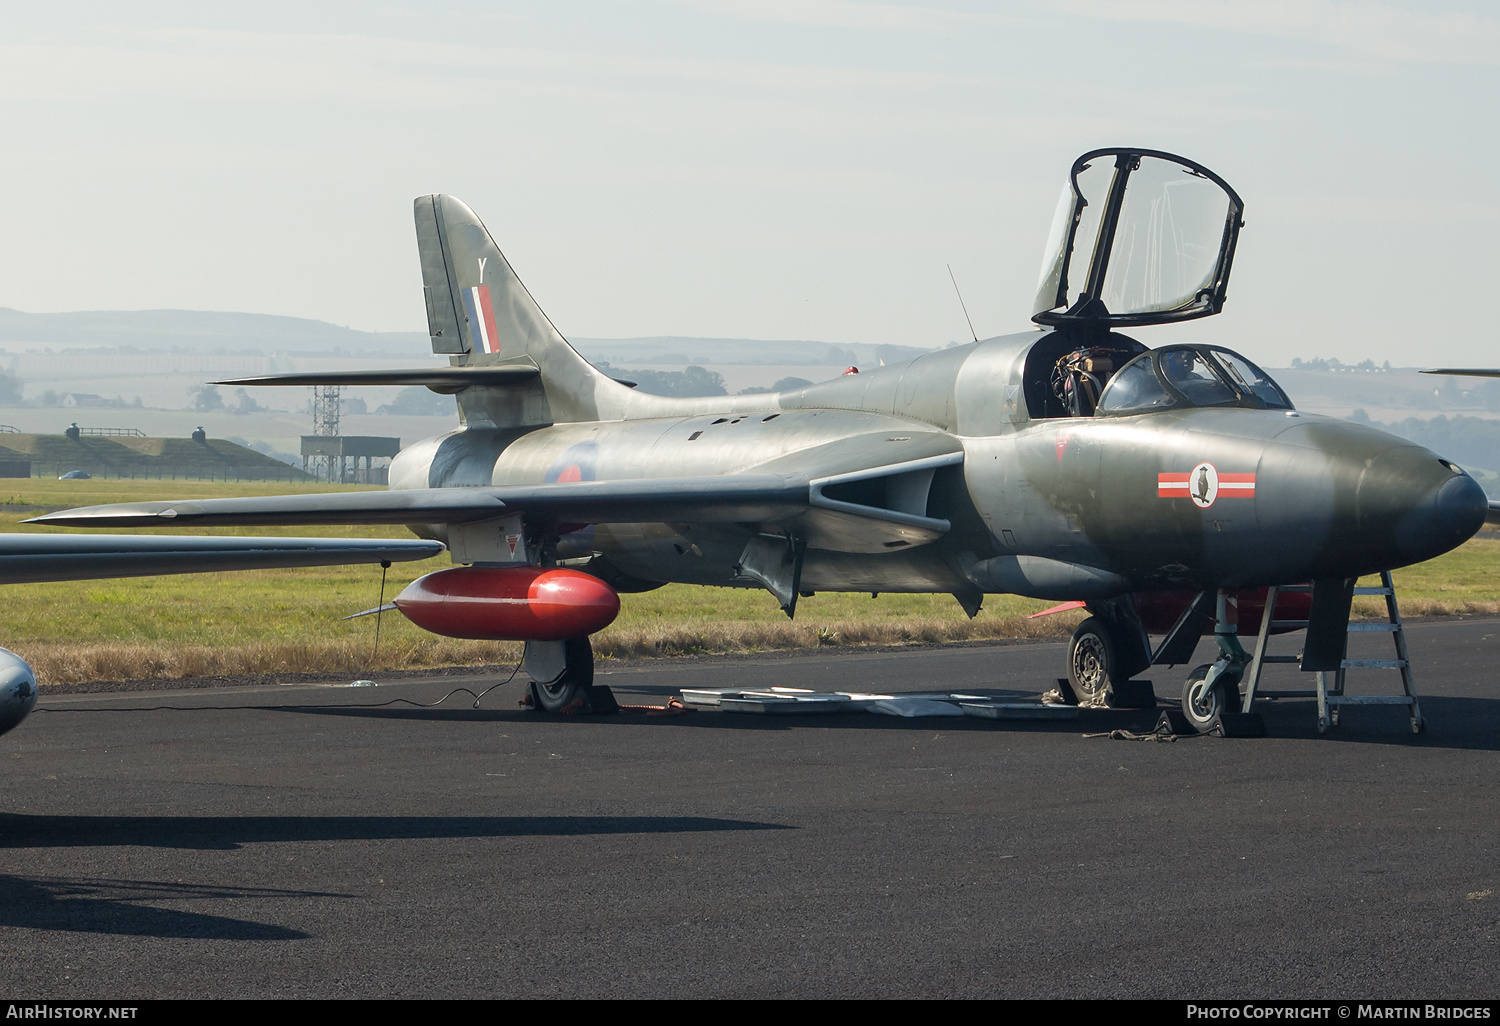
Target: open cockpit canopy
<point>1180,376</point>
<point>1159,233</point>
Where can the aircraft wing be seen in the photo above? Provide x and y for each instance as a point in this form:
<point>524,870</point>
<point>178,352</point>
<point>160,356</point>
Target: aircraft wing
<point>850,510</point>
<point>1493,516</point>
<point>26,558</point>
<point>639,500</point>
<point>439,379</point>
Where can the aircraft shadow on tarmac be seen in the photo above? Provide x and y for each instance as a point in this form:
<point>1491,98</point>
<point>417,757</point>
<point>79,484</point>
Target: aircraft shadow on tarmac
<point>1470,724</point>
<point>110,907</point>
<point>711,719</point>
<point>1456,723</point>
<point>227,833</point>
<point>1461,722</point>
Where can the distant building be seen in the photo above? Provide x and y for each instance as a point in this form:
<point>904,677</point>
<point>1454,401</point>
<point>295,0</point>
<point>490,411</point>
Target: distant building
<point>84,399</point>
<point>336,458</point>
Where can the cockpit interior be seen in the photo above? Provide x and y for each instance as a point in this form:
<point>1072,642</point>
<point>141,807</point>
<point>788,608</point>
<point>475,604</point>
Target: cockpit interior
<point>1118,376</point>
<point>1154,235</point>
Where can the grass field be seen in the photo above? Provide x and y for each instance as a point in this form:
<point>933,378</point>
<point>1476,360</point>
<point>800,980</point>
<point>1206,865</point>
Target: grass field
<point>288,621</point>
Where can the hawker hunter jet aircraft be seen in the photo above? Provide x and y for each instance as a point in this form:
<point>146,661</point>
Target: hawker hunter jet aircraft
<point>1071,463</point>
<point>28,558</point>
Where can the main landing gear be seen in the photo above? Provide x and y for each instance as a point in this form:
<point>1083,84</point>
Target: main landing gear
<point>562,678</point>
<point>1106,650</point>
<point>1093,662</point>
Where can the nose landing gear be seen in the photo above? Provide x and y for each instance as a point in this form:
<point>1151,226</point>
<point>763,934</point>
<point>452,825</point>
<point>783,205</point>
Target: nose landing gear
<point>1205,701</point>
<point>1211,694</point>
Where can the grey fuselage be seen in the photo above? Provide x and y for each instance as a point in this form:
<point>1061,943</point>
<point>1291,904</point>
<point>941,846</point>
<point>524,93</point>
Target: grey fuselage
<point>1049,506</point>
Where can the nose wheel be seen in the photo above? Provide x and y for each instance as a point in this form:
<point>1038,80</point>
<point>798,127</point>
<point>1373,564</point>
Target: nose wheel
<point>1205,702</point>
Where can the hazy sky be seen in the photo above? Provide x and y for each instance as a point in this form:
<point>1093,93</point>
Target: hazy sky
<point>750,168</point>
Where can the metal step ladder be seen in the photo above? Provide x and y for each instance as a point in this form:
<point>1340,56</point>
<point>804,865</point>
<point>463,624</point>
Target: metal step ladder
<point>1331,698</point>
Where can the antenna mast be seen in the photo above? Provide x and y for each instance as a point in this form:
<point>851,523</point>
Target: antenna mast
<point>961,303</point>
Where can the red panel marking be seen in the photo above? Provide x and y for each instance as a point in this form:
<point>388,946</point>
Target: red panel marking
<point>488,313</point>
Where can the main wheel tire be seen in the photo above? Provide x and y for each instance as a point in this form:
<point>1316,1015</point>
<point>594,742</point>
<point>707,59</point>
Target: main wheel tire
<point>1093,656</point>
<point>573,686</point>
<point>1203,706</point>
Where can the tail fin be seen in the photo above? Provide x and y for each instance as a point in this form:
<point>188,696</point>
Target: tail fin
<point>479,313</point>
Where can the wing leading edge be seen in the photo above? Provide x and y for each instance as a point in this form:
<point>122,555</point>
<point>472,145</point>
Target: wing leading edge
<point>840,511</point>
<point>27,558</point>
<point>590,502</point>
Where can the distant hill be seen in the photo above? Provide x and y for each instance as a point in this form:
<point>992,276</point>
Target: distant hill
<point>200,331</point>
<point>205,331</point>
<point>668,350</point>
<point>214,459</point>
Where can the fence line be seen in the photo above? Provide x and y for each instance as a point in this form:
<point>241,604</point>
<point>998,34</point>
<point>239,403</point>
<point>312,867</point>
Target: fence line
<point>175,473</point>
<point>113,432</point>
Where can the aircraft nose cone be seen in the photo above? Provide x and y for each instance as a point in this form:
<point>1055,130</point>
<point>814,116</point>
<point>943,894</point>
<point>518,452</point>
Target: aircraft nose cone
<point>1345,500</point>
<point>1443,515</point>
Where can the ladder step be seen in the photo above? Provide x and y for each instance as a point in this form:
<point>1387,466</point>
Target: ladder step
<point>1296,589</point>
<point>1331,687</point>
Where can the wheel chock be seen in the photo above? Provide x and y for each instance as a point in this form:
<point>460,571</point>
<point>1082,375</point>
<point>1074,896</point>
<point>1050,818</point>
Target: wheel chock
<point>1172,721</point>
<point>1132,694</point>
<point>596,700</point>
<point>1065,689</point>
<point>601,700</point>
<point>1236,724</point>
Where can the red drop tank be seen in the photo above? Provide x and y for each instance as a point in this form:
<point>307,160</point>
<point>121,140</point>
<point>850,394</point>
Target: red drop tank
<point>1160,609</point>
<point>517,603</point>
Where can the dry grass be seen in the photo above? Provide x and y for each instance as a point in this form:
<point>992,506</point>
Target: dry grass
<point>1374,609</point>
<point>78,662</point>
<point>65,663</point>
<point>668,638</point>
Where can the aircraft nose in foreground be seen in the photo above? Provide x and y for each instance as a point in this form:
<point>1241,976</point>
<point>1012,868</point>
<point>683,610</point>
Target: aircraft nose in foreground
<point>1434,505</point>
<point>1356,504</point>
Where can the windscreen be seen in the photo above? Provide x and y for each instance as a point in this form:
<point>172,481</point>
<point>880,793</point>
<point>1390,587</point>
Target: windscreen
<point>1251,380</point>
<point>1190,372</point>
<point>1135,388</point>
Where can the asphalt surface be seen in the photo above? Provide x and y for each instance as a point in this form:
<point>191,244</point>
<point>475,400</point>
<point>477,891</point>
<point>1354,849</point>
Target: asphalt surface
<point>303,841</point>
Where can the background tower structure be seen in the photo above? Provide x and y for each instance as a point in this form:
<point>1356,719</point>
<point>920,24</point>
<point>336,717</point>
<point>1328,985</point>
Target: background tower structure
<point>335,458</point>
<point>326,402</point>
